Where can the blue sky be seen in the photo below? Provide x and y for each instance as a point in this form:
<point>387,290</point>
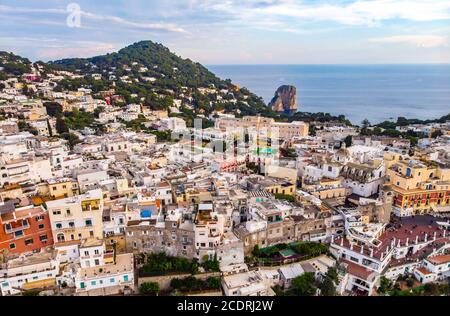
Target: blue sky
<point>235,31</point>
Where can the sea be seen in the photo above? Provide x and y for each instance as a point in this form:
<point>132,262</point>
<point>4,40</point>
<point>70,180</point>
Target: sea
<point>375,92</point>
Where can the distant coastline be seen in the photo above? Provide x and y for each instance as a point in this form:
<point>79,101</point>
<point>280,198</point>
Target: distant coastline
<point>376,92</point>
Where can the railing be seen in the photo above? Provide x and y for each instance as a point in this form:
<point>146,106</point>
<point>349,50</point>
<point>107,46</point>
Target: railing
<point>16,229</point>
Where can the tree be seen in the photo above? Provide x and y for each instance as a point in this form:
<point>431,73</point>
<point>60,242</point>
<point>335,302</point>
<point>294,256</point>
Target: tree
<point>98,110</point>
<point>256,251</point>
<point>437,133</point>
<point>348,141</point>
<point>385,285</point>
<point>54,109</point>
<point>327,287</point>
<point>213,283</point>
<point>332,274</point>
<point>431,289</point>
<point>365,127</point>
<point>61,126</point>
<point>49,127</point>
<point>72,139</point>
<point>365,123</point>
<point>304,285</point>
<point>149,288</point>
<point>410,282</point>
<point>211,265</point>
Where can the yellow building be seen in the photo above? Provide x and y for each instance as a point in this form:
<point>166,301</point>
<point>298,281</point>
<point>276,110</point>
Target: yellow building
<point>419,186</point>
<point>282,188</point>
<point>326,188</point>
<point>11,192</point>
<point>264,125</point>
<point>62,188</point>
<point>77,218</point>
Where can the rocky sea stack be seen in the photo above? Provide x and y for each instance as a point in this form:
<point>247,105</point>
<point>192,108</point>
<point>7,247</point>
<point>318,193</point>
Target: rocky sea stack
<point>285,100</point>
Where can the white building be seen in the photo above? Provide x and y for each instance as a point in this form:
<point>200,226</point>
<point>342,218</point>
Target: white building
<point>245,284</point>
<point>28,272</point>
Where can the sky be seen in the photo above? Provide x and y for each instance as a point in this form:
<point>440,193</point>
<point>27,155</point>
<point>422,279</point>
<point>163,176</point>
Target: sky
<point>217,32</point>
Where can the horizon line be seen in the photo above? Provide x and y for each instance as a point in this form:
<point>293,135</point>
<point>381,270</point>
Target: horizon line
<point>333,64</point>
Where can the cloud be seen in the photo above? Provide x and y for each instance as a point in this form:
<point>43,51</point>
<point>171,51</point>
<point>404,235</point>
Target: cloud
<point>76,49</point>
<point>120,21</point>
<point>170,27</point>
<point>53,48</point>
<point>368,13</point>
<point>425,41</point>
<point>364,12</point>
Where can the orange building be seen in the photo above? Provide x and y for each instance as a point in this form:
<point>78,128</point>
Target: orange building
<point>24,229</point>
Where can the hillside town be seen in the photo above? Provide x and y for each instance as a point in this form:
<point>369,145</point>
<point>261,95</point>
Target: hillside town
<point>101,194</point>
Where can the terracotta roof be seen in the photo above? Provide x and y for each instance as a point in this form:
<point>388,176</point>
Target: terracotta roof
<point>423,271</point>
<point>359,271</point>
<point>406,230</point>
<point>436,260</point>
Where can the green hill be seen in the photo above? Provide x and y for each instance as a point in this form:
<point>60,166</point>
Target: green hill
<point>13,65</point>
<point>150,70</point>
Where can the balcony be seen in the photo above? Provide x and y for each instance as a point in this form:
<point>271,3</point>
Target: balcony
<point>16,229</point>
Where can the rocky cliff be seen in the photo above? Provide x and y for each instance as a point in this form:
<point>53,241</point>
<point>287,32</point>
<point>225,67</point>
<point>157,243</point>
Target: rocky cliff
<point>285,100</point>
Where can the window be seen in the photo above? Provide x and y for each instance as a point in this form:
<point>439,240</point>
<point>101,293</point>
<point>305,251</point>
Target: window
<point>8,226</point>
<point>88,222</point>
<point>24,222</point>
<point>18,234</point>
<point>58,225</point>
<point>39,218</point>
<point>12,246</point>
<point>71,224</point>
<point>125,278</point>
<point>86,253</point>
<point>112,280</point>
<point>61,238</point>
<point>82,285</point>
<point>41,226</point>
<point>96,251</point>
<point>43,238</point>
<point>56,212</point>
<point>28,242</point>
<point>97,262</point>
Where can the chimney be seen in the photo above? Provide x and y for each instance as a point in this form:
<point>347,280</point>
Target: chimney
<point>399,243</point>
<point>342,242</point>
<point>445,232</point>
<point>434,235</point>
<point>371,252</point>
<point>332,239</point>
<point>426,237</point>
<point>351,246</point>
<point>417,239</point>
<point>407,241</point>
<point>362,249</point>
